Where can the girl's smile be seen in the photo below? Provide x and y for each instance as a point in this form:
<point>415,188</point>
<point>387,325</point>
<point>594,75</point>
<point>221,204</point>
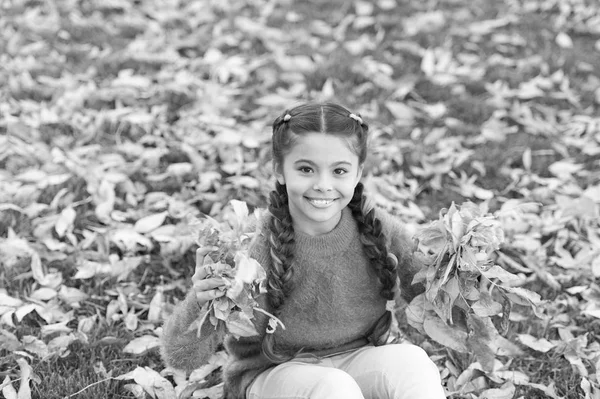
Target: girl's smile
<point>320,203</point>
<point>320,173</point>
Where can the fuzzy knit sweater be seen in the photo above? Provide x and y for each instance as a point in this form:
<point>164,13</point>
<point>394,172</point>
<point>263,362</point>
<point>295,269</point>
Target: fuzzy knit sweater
<point>332,308</point>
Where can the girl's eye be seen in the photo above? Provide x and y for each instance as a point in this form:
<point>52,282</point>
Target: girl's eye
<point>305,169</point>
<point>340,171</point>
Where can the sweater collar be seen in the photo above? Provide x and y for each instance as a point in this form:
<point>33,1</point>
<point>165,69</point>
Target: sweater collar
<point>334,241</point>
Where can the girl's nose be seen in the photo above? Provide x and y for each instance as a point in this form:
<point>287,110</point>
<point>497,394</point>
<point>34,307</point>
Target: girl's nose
<point>322,184</point>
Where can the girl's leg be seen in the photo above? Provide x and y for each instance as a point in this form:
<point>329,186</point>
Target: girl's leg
<point>400,371</point>
<point>299,380</point>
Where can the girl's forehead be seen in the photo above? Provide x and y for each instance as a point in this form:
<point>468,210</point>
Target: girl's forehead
<point>322,147</point>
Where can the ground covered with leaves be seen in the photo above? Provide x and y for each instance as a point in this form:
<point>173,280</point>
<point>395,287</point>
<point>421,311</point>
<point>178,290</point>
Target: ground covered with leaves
<point>122,122</point>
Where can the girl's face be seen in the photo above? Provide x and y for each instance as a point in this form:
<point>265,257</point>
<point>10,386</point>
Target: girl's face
<point>320,173</point>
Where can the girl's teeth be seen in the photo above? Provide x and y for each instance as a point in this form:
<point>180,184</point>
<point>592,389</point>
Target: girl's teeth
<point>321,202</point>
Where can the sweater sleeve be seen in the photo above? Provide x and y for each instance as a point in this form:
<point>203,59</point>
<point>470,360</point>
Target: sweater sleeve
<point>401,245</point>
<point>181,347</point>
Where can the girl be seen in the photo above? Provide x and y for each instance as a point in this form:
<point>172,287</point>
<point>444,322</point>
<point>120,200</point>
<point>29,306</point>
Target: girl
<point>332,265</point>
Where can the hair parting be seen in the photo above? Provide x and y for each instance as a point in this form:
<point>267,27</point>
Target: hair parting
<point>325,118</point>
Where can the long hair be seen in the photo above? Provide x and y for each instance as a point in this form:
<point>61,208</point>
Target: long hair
<point>332,119</point>
<point>382,261</point>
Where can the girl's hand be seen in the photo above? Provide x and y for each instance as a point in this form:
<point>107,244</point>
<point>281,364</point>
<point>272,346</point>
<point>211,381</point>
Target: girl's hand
<point>205,287</point>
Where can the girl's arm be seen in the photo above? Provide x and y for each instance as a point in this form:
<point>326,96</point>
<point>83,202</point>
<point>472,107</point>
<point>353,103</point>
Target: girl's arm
<point>181,347</point>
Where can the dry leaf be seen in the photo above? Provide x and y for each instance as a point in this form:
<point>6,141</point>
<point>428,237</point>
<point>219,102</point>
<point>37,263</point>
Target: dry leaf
<point>150,222</point>
<point>446,335</point>
<point>564,40</point>
<point>65,222</point>
<point>156,306</point>
<point>151,381</point>
<point>506,391</point>
<point>25,374</point>
<point>538,344</point>
<point>142,344</point>
<point>403,114</point>
<point>8,390</point>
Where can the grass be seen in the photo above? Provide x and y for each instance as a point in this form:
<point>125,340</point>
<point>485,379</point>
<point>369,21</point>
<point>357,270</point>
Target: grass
<point>547,369</point>
<point>87,363</point>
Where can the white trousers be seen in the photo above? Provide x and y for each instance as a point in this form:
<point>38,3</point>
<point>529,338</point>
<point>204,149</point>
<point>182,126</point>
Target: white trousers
<point>397,371</point>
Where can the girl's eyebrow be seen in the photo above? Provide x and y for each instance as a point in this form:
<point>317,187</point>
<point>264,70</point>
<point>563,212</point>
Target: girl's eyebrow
<point>308,161</point>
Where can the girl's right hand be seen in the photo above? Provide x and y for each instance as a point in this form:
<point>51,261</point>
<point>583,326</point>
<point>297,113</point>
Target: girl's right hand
<point>205,287</point>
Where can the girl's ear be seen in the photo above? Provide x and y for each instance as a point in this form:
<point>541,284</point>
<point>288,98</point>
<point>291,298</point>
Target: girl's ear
<point>278,172</point>
<point>359,172</point>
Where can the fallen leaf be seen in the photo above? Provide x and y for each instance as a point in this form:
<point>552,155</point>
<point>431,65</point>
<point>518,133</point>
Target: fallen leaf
<point>51,279</point>
<point>514,376</point>
<point>65,222</point>
<point>403,114</point>
<point>43,294</point>
<point>152,382</point>
<point>131,321</point>
<point>156,306</point>
<point>150,222</point>
<point>70,295</point>
<point>35,346</point>
<point>13,250</point>
<point>25,375</point>
<point>564,169</point>
<point>563,40</point>
<point>8,390</point>
<point>506,391</point>
<point>538,344</point>
<point>142,344</point>
<point>88,269</point>
<point>60,327</point>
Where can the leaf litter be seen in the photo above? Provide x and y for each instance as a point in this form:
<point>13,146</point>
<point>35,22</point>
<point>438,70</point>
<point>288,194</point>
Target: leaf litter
<point>161,116</point>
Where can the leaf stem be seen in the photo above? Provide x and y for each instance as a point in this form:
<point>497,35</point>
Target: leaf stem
<point>202,319</point>
<point>89,386</point>
<point>270,315</point>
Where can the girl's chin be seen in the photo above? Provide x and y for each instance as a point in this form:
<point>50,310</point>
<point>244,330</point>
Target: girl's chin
<point>324,216</point>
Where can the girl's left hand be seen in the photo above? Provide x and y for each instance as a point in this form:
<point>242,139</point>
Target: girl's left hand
<point>205,286</point>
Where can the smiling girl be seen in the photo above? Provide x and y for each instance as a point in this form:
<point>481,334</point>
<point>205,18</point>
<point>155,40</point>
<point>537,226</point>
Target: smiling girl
<point>333,263</point>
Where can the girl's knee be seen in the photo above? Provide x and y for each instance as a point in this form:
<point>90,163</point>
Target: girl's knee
<point>294,380</point>
<point>410,358</point>
<point>411,352</point>
<point>334,383</point>
<point>423,377</point>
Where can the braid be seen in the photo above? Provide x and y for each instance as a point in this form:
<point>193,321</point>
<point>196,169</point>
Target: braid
<point>279,277</point>
<point>383,262</point>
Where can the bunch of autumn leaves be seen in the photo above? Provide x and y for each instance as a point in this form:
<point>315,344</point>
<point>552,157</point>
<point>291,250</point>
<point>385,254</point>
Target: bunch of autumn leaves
<point>467,294</point>
<point>244,277</point>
